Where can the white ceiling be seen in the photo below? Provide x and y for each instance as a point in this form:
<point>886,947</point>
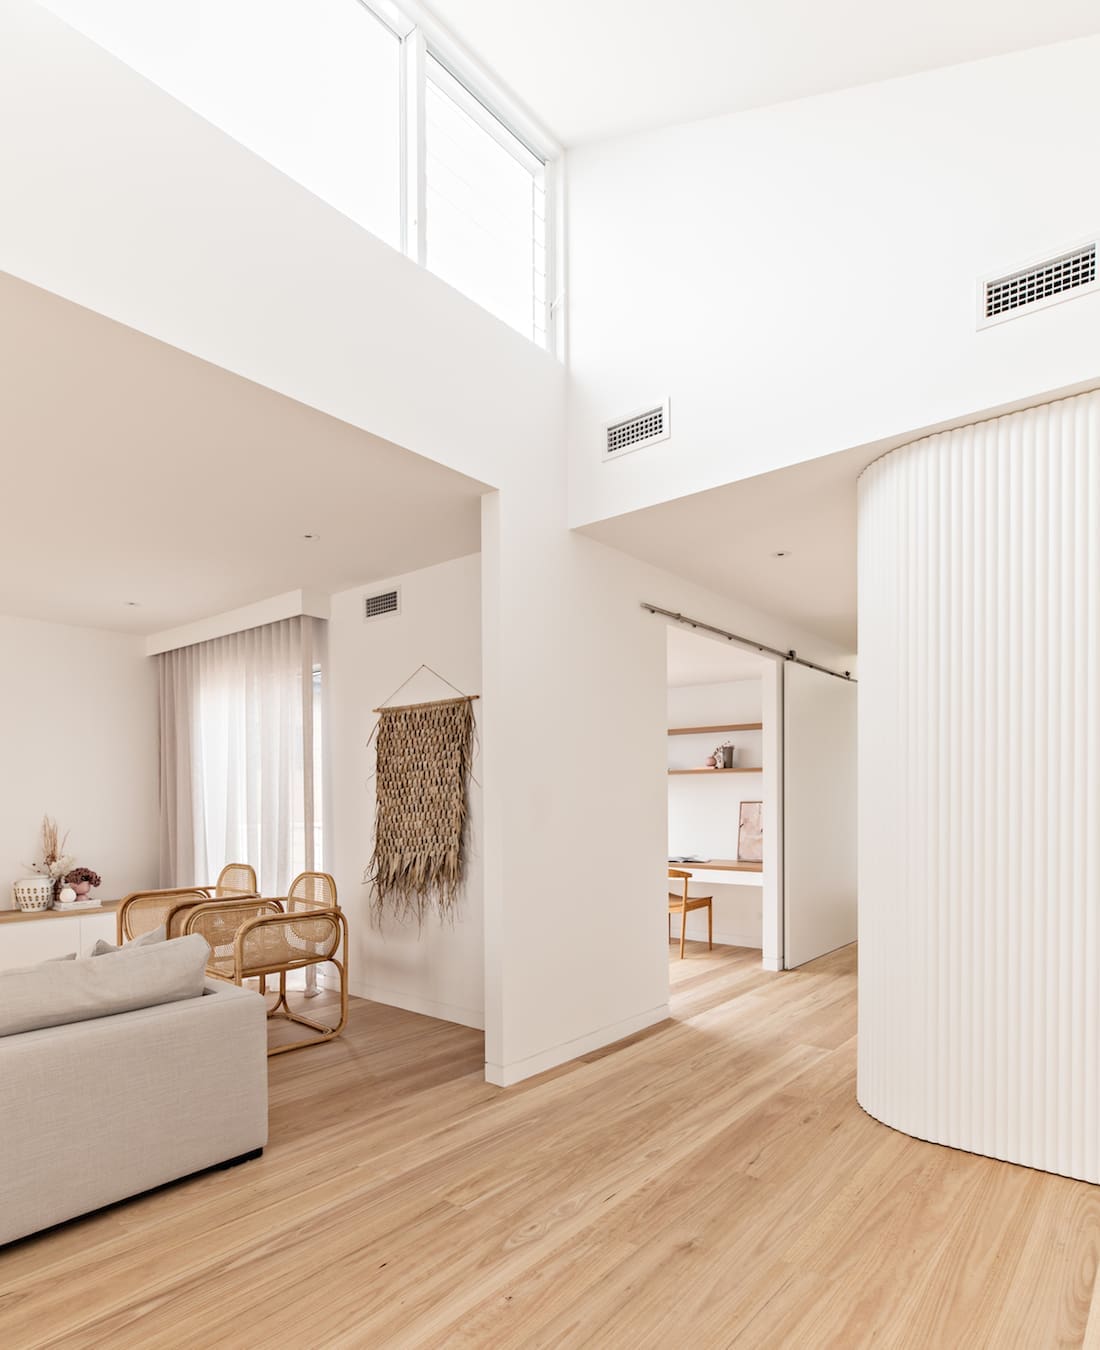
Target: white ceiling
<point>694,658</point>
<point>726,539</point>
<point>589,69</point>
<point>133,471</point>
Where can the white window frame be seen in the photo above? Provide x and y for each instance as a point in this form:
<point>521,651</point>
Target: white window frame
<point>470,86</point>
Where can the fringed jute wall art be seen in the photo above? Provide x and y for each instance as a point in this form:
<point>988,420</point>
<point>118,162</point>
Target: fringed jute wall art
<point>424,756</point>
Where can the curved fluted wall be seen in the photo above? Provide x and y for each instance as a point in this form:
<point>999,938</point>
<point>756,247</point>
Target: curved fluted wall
<point>979,787</point>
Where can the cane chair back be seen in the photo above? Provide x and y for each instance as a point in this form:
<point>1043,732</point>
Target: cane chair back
<point>143,911</point>
<point>235,879</point>
<point>312,890</point>
<point>308,893</point>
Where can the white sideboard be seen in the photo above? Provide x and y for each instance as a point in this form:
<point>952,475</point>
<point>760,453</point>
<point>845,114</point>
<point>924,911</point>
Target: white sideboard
<point>27,938</point>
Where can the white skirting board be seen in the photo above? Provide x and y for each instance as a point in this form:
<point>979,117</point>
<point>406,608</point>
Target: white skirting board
<point>506,1075</point>
<point>445,1012</point>
<point>697,932</point>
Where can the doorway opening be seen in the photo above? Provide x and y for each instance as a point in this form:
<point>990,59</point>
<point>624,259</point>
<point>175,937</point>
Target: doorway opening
<point>724,785</point>
<point>761,803</point>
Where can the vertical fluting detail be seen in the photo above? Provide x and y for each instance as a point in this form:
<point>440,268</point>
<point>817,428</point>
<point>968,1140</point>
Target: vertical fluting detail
<point>979,787</point>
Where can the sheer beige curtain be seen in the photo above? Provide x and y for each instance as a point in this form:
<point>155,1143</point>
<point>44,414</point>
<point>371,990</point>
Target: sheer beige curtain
<point>240,743</point>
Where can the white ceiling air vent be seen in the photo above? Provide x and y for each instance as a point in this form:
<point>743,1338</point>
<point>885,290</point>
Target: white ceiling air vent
<point>1042,284</point>
<point>380,605</point>
<point>645,427</point>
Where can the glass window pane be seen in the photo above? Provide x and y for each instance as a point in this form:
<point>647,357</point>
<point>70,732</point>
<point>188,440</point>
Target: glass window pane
<point>485,211</point>
<point>313,88</point>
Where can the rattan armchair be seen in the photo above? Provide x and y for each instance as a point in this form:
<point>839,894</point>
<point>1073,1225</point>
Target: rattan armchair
<point>256,938</point>
<point>142,911</point>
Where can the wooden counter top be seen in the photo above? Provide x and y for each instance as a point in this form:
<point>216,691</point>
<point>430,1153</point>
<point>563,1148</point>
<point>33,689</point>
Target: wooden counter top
<point>22,916</point>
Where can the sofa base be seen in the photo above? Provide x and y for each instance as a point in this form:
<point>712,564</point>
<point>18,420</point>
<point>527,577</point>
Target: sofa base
<point>229,1162</point>
<point>238,1161</point>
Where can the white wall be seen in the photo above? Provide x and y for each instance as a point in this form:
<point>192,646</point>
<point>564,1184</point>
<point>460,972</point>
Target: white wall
<point>78,736</point>
<point>583,835</point>
<point>801,279</point>
<point>122,200</point>
<point>313,89</point>
<point>703,812</point>
<point>438,969</point>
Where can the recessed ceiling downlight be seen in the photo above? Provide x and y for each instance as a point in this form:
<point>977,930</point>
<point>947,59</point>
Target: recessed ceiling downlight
<point>131,604</point>
<point>782,553</point>
<point>312,534</point>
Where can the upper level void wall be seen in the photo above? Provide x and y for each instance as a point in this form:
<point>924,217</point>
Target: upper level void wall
<point>120,198</point>
<point>802,279</point>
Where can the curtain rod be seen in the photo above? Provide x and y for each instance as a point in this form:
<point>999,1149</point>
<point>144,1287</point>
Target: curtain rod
<point>791,655</point>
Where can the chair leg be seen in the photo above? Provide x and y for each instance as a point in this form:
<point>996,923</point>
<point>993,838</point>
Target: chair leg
<point>325,1033</point>
<point>710,926</point>
<point>683,930</point>
<point>280,1001</point>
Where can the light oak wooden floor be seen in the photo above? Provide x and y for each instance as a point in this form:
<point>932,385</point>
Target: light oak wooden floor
<point>710,1183</point>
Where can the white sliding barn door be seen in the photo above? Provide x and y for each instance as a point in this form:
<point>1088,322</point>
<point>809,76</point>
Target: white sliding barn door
<point>819,813</point>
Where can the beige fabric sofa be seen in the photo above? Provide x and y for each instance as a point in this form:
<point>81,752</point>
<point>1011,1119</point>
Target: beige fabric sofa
<point>95,1111</point>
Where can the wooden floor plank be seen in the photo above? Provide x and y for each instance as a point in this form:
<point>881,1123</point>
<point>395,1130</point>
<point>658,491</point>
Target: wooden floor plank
<point>710,1182</point>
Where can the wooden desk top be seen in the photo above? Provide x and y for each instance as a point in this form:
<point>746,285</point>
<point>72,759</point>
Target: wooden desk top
<point>719,865</point>
<point>29,916</point>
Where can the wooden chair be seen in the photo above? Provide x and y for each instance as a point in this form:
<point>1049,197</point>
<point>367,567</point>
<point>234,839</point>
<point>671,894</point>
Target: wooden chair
<point>679,902</point>
<point>252,938</point>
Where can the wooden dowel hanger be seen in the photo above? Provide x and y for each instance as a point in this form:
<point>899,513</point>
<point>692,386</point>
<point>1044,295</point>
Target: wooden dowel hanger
<point>427,703</point>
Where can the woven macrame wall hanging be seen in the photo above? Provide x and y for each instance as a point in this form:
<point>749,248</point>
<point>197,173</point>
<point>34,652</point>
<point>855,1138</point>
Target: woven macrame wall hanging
<point>424,753</point>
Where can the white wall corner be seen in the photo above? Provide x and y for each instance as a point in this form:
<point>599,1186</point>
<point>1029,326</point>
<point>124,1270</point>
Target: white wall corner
<point>507,1075</point>
<point>426,1007</point>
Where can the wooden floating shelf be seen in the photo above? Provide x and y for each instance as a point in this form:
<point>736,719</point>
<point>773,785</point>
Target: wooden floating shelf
<point>703,731</point>
<point>756,768</point>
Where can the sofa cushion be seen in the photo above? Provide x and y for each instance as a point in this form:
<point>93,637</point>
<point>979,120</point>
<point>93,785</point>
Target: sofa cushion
<point>103,947</point>
<point>58,992</point>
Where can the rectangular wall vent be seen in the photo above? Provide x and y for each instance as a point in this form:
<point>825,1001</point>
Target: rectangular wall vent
<point>646,427</point>
<point>385,602</point>
<point>1045,283</point>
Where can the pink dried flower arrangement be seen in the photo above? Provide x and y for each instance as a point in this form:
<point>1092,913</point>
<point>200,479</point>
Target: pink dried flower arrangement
<point>82,874</point>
